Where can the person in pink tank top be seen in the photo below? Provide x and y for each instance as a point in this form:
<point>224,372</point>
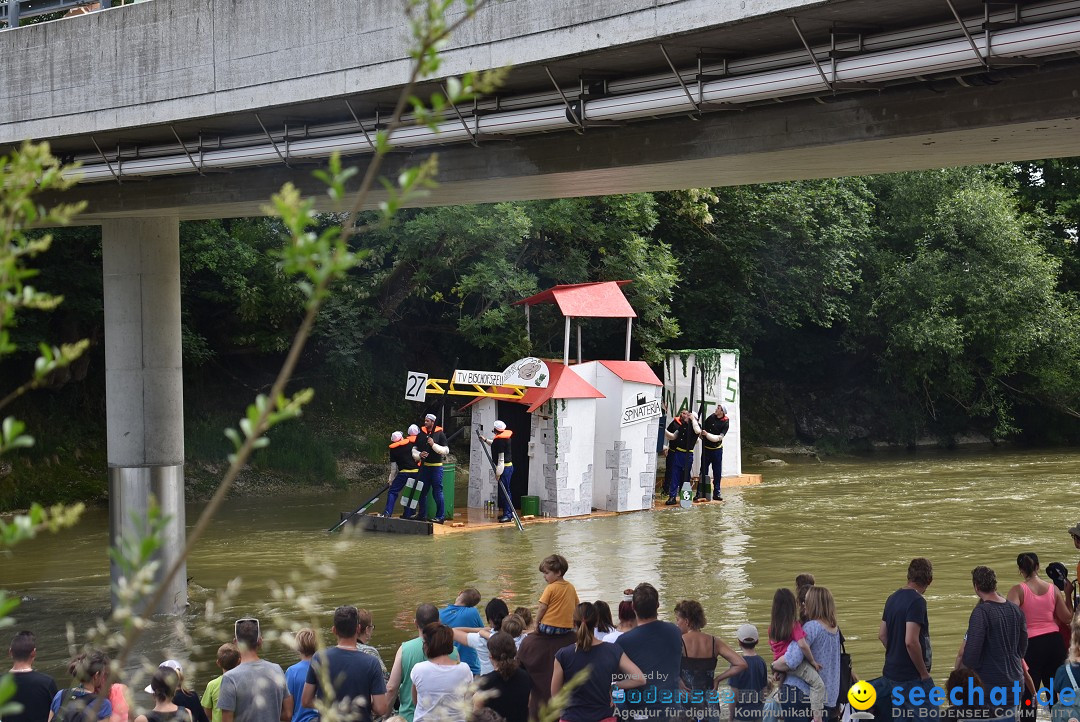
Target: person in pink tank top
<point>1044,606</point>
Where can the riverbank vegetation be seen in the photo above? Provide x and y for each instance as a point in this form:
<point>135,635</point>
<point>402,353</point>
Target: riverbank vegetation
<point>895,309</point>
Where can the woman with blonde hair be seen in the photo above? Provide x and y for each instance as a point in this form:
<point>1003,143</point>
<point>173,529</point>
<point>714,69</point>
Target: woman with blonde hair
<point>823,636</point>
<point>296,675</point>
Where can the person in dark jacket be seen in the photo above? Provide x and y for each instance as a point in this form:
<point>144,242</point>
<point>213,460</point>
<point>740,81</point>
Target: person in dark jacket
<point>504,469</point>
<point>996,638</point>
<point>433,447</point>
<point>713,429</point>
<point>682,433</point>
<point>404,464</point>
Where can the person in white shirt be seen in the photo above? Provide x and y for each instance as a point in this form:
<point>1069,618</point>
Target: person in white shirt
<point>441,685</point>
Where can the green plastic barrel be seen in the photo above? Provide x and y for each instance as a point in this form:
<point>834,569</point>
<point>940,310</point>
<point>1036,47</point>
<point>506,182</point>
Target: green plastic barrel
<point>449,477</point>
<point>530,506</point>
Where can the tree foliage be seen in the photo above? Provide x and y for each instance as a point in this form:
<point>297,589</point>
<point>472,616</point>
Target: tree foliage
<point>971,318</point>
<point>943,300</point>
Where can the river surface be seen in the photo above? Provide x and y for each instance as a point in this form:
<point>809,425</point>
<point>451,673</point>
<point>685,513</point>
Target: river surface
<point>854,523</point>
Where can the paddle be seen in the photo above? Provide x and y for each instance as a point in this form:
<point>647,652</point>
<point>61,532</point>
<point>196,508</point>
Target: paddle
<point>364,507</point>
<point>360,509</point>
<point>498,482</point>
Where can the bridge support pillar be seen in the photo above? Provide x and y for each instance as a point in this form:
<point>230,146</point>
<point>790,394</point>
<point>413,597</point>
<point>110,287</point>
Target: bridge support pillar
<point>144,386</point>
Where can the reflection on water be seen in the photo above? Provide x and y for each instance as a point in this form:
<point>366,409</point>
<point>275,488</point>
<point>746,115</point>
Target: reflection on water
<point>854,523</point>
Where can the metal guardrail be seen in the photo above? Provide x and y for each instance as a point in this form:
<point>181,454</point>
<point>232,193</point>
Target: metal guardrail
<point>12,11</point>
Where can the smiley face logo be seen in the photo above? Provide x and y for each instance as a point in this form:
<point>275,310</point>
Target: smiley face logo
<point>862,695</point>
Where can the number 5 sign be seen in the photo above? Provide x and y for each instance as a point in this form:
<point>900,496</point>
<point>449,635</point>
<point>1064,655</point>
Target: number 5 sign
<point>416,386</point>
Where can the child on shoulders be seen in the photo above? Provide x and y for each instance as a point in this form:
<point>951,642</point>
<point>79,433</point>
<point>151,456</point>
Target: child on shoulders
<point>559,600</point>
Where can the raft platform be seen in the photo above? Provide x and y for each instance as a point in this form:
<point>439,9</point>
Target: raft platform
<point>475,519</point>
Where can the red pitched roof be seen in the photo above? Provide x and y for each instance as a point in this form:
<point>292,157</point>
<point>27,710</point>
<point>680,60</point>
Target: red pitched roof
<point>638,371</point>
<point>564,384</point>
<point>603,299</point>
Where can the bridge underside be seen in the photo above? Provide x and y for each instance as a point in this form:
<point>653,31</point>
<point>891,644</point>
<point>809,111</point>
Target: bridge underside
<point>1005,116</point>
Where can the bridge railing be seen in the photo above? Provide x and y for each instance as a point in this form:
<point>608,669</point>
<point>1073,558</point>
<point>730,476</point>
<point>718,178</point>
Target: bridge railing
<point>14,11</point>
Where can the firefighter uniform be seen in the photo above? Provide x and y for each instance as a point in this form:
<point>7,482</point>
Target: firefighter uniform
<point>713,430</point>
<point>504,469</point>
<point>404,464</point>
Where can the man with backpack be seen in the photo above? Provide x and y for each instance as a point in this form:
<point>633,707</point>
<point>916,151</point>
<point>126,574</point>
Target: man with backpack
<point>89,699</point>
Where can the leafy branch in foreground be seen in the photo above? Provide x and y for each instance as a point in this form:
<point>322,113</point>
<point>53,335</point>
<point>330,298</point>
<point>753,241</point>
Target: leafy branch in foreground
<point>25,173</point>
<point>319,259</point>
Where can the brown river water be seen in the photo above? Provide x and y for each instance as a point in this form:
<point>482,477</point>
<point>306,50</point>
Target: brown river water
<point>854,523</point>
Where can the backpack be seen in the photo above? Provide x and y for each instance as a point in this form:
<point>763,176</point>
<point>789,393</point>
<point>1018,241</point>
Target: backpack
<point>1066,713</point>
<point>846,679</point>
<point>77,705</point>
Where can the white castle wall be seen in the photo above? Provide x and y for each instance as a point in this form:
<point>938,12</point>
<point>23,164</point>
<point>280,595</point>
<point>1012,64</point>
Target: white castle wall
<point>561,468</point>
<point>624,457</point>
<point>481,478</point>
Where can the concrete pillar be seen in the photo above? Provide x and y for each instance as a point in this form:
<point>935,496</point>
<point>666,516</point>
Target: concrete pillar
<point>144,384</point>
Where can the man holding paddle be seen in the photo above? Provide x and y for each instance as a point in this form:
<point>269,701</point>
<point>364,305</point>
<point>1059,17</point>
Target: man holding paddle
<point>504,468</point>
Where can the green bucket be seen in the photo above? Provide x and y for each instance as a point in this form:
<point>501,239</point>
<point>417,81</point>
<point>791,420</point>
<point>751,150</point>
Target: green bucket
<point>530,506</point>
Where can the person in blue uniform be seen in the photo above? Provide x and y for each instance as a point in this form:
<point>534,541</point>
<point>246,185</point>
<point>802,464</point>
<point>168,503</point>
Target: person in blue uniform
<point>682,434</point>
<point>433,447</point>
<point>404,463</point>
<point>504,468</point>
<point>713,429</point>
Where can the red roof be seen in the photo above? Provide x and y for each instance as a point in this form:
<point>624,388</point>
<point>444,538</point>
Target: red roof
<point>638,371</point>
<point>564,384</point>
<point>603,299</point>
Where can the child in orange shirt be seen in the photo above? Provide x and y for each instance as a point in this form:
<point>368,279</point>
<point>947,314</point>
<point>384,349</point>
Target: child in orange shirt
<point>559,600</point>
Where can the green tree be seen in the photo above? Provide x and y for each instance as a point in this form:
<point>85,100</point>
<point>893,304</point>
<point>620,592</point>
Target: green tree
<point>759,260</point>
<point>971,321</point>
<point>237,299</point>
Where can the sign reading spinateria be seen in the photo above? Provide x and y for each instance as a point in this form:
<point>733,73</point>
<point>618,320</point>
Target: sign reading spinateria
<point>640,412</point>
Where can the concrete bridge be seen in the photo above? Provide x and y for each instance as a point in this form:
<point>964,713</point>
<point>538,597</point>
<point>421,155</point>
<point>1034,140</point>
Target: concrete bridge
<point>182,110</point>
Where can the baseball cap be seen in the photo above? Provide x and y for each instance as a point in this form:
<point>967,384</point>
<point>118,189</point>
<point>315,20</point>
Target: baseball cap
<point>430,417</point>
<point>747,633</point>
<point>1075,529</point>
<point>171,664</point>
